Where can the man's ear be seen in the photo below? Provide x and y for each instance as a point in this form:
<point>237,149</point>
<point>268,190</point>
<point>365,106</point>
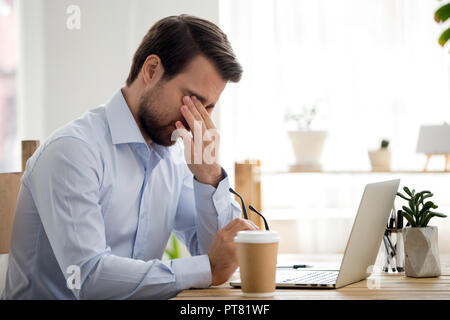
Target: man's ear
<point>152,70</point>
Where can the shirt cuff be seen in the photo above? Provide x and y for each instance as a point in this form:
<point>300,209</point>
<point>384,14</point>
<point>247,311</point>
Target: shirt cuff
<point>213,199</point>
<point>192,272</point>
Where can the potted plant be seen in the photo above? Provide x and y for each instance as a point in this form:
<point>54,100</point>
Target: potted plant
<point>307,143</point>
<point>421,240</point>
<point>380,159</point>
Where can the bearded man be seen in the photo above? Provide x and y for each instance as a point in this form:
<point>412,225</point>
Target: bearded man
<point>101,196</point>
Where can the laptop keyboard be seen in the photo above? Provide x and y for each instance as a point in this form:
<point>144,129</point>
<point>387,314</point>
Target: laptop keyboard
<point>308,277</point>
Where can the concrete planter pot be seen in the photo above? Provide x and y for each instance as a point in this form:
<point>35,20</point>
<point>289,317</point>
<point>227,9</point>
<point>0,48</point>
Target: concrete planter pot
<point>380,160</point>
<point>421,252</point>
<point>308,146</point>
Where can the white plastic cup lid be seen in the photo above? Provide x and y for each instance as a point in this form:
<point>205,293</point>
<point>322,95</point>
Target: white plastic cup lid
<point>257,236</point>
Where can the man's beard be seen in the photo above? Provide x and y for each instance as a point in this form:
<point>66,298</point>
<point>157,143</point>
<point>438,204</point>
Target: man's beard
<point>152,120</point>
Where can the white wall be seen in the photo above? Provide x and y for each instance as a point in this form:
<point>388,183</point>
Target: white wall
<point>64,73</point>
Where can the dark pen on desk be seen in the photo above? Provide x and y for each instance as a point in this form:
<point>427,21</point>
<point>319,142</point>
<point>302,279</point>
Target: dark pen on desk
<point>295,266</point>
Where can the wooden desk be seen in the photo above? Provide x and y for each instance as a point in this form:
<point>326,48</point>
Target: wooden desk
<point>378,286</point>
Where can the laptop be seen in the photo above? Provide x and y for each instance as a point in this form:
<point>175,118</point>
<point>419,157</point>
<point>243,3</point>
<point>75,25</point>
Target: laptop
<point>362,246</point>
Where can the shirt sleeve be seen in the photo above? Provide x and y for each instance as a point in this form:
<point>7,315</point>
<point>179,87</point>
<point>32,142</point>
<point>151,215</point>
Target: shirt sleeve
<point>65,183</point>
<point>202,210</point>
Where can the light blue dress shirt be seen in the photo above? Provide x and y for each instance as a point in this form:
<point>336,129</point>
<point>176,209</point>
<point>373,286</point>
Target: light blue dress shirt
<point>94,196</point>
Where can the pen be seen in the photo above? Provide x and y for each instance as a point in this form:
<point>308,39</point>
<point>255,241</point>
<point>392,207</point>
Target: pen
<point>390,244</point>
<point>400,220</point>
<point>391,221</point>
<point>399,245</point>
<point>389,253</point>
<point>295,266</point>
<point>387,260</point>
<point>392,238</point>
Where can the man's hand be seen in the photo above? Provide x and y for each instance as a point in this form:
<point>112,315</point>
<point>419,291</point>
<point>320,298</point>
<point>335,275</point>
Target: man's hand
<point>222,254</point>
<point>202,147</point>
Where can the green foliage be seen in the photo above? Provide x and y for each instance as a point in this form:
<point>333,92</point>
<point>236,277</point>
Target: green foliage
<point>444,37</point>
<point>302,118</point>
<point>418,212</point>
<point>384,144</point>
<point>441,15</point>
<point>174,251</point>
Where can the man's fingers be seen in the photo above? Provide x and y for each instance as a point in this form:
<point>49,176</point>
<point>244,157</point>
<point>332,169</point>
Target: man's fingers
<point>196,115</point>
<point>253,224</point>
<point>192,119</point>
<point>239,224</point>
<point>187,114</point>
<point>230,225</point>
<point>181,132</point>
<point>187,140</point>
<point>190,104</point>
<point>203,113</point>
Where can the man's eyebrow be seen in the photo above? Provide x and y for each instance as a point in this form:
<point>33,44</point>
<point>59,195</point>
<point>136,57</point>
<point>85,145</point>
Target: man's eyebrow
<point>199,97</point>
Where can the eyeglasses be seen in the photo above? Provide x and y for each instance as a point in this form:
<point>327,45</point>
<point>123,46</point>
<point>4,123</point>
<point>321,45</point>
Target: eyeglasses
<point>244,211</point>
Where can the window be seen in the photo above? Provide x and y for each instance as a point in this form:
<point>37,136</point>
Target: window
<point>8,70</point>
<point>373,68</point>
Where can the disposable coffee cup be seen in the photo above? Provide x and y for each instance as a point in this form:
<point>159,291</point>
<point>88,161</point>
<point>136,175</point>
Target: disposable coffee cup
<point>257,257</point>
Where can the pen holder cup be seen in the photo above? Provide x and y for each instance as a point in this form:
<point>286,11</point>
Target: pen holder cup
<point>393,251</point>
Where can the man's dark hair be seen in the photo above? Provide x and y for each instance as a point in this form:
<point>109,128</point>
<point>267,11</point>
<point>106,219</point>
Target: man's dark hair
<point>179,39</point>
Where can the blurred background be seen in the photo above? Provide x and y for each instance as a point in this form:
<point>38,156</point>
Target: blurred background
<point>349,73</point>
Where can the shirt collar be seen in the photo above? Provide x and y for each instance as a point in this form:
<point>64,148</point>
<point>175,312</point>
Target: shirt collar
<point>123,126</point>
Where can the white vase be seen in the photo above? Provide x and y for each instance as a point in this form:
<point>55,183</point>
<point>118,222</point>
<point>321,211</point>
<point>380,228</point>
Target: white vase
<point>421,252</point>
<point>380,160</point>
<point>308,147</point>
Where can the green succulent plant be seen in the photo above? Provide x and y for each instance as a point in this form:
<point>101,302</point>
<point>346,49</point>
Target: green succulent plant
<point>440,16</point>
<point>384,144</point>
<point>418,212</point>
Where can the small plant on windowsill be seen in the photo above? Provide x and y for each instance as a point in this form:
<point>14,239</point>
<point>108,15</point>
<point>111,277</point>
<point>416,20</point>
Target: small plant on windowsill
<point>307,143</point>
<point>380,159</point>
<point>384,144</point>
<point>420,239</point>
<point>303,119</point>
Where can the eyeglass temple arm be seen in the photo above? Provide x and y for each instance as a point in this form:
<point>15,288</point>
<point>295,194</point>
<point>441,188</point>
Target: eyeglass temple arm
<point>244,210</point>
<point>255,211</point>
